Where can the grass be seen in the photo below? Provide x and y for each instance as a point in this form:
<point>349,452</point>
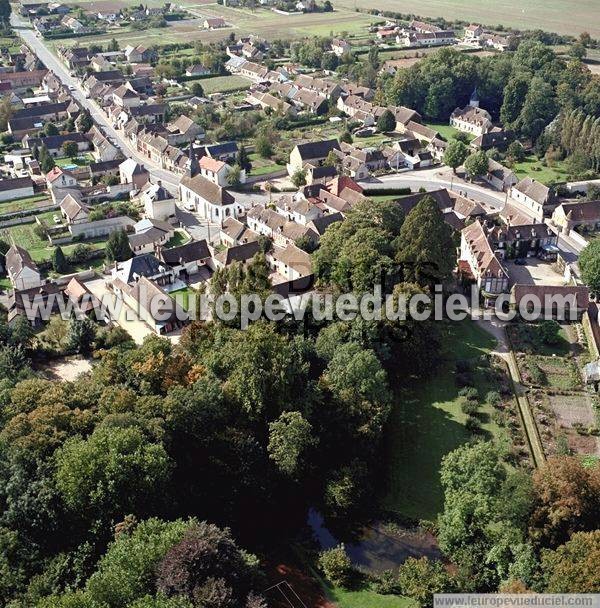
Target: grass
<point>179,238</point>
<point>427,423</point>
<point>183,296</point>
<point>263,166</point>
<point>80,161</point>
<point>367,599</point>
<point>534,168</point>
<point>224,84</point>
<point>5,284</point>
<point>23,204</point>
<point>446,131</point>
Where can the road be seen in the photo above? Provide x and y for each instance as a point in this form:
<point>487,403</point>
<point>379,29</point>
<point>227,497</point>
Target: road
<point>432,179</point>
<point>23,29</point>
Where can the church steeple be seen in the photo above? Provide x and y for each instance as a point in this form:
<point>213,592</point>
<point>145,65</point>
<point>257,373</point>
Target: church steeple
<point>193,167</point>
<point>474,102</point>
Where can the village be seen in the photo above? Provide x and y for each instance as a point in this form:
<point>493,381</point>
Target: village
<point>139,171</point>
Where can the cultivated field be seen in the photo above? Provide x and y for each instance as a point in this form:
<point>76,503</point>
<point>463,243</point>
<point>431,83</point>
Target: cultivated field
<point>563,16</point>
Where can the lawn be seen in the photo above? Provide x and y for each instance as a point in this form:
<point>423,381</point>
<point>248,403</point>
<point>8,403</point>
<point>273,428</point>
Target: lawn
<point>367,599</point>
<point>183,296</point>
<point>263,166</point>
<point>427,422</point>
<point>534,168</point>
<point>446,131</point>
<point>224,84</point>
<point>23,204</point>
<point>179,238</point>
<point>81,161</point>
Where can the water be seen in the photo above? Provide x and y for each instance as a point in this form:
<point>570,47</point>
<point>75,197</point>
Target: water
<point>377,548</point>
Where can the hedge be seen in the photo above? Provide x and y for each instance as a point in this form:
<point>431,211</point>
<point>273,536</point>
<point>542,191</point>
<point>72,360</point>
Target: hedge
<point>386,191</point>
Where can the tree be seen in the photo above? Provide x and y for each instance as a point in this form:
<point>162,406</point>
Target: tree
<point>70,149</point>
<point>549,332</point>
<point>575,566</point>
<point>197,89</point>
<point>5,10</point>
<point>476,164</point>
<point>81,335</point>
<point>47,163</point>
<point>578,50</point>
<point>299,178</point>
<point>263,147</point>
<point>117,247</point>
<point>426,245</point>
<point>386,122</point>
<point>455,154</point>
<point>84,122</point>
<point>113,472</point>
<point>243,160</point>
<point>336,566</point>
<point>234,177</point>
<point>50,129</point>
<point>421,578</point>
<point>566,500</point>
<point>59,262</point>
<point>346,137</point>
<point>516,152</point>
<point>589,262</point>
<point>127,570</point>
<point>6,109</point>
<point>206,562</point>
<point>290,436</point>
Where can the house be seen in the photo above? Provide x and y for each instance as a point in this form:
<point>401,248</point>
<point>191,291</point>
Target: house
<point>73,211</point>
<point>472,118</point>
<point>54,143</point>
<point>183,130</point>
<point>479,264</point>
<point>100,228</point>
<point>329,88</point>
<point>35,303</point>
<point>153,305</point>
<point>426,39</point>
<point>125,97</point>
<point>313,153</point>
<point>21,269</point>
<point>524,241</point>
<point>225,151</point>
<point>241,253</point>
<point>214,170</point>
<point>266,100</point>
<point>290,262</point>
<point>139,54</point>
<point>84,301</point>
<point>499,177</point>
<point>573,216</point>
<point>20,187</point>
<point>564,302</point>
<point>149,234</point>
<point>234,232</point>
<point>340,46</point>
<point>298,209</point>
<point>60,178</point>
<point>535,196</point>
<point>197,69</point>
<point>131,172</point>
<point>158,202</point>
<point>213,23</point>
<point>187,259</point>
<point>495,138</point>
<point>472,34</point>
<point>144,266</point>
<point>275,226</point>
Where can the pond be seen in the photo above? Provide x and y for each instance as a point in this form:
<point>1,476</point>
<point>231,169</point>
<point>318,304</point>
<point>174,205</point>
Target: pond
<point>378,547</point>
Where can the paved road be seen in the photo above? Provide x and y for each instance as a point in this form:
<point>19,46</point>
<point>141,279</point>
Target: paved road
<point>432,179</point>
<point>23,29</point>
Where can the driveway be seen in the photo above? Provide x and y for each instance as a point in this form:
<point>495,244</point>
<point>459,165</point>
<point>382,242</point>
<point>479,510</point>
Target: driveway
<point>535,272</point>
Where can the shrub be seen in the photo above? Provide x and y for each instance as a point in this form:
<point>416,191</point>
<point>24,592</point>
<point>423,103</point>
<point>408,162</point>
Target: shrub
<point>470,407</point>
<point>469,392</point>
<point>464,365</point>
<point>472,424</point>
<point>386,583</point>
<point>493,398</point>
<point>336,566</point>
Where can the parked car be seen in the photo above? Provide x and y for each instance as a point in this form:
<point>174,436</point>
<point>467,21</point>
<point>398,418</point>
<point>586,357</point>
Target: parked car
<point>520,261</point>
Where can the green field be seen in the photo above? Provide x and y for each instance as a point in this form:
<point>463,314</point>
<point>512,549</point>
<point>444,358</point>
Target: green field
<point>367,599</point>
<point>534,168</point>
<point>563,16</point>
<point>224,84</point>
<point>427,422</point>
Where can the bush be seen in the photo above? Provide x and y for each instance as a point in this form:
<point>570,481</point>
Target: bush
<point>472,424</point>
<point>336,566</point>
<point>463,365</point>
<point>493,398</point>
<point>470,407</point>
<point>386,583</point>
<point>469,392</point>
